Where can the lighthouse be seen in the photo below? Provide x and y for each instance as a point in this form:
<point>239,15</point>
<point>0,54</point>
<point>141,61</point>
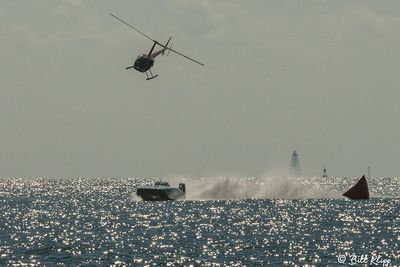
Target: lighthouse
<point>324,175</point>
<point>295,165</point>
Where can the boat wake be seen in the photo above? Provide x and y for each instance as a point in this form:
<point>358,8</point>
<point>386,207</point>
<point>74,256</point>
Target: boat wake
<point>269,187</point>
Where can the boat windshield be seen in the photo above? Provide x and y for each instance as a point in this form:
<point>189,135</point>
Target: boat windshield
<point>162,183</point>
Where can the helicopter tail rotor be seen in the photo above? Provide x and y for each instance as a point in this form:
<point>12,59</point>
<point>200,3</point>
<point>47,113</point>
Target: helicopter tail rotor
<point>169,49</point>
<point>166,46</point>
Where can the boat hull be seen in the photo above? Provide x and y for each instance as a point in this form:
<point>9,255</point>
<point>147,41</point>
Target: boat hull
<point>160,194</point>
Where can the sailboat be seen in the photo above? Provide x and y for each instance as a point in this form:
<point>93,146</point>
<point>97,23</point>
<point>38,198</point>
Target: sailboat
<point>359,190</point>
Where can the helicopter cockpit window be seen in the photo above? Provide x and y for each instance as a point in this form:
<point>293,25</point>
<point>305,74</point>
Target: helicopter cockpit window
<point>161,183</point>
<point>141,57</point>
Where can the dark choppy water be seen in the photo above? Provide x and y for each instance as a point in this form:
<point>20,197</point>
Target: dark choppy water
<point>92,222</point>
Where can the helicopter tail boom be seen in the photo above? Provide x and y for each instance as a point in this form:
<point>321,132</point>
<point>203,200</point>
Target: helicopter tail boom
<point>162,51</point>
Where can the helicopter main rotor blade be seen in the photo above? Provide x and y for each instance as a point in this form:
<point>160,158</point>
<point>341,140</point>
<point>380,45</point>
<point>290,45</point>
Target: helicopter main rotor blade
<point>170,49</point>
<point>186,56</point>
<point>148,37</point>
<point>126,23</point>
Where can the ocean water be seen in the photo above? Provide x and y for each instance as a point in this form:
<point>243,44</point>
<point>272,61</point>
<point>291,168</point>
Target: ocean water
<point>223,222</point>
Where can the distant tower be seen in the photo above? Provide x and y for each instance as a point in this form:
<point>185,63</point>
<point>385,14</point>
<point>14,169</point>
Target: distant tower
<point>295,165</point>
<point>324,175</point>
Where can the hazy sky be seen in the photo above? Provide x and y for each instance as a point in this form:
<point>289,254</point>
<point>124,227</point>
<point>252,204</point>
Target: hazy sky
<point>321,77</point>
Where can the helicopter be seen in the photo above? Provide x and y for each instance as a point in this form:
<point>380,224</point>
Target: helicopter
<point>144,62</point>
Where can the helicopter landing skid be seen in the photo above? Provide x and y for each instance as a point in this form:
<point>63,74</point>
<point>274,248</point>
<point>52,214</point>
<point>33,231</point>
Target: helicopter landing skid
<point>152,77</point>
